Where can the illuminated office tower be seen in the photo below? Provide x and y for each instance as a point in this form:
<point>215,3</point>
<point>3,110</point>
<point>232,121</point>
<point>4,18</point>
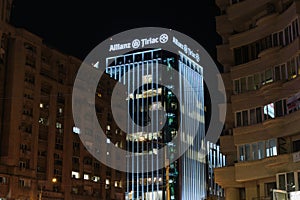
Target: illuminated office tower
<point>152,105</point>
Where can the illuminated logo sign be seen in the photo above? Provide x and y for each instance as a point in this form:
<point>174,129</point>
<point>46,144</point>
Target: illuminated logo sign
<point>186,49</point>
<point>136,43</point>
<point>162,39</point>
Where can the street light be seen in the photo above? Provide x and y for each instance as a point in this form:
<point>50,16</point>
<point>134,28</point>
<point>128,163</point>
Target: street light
<point>53,180</point>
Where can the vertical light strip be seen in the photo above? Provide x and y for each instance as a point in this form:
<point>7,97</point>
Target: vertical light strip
<point>132,131</point>
<point>128,126</point>
<point>137,128</point>
<point>148,135</point>
<point>181,117</point>
<point>152,131</point>
<point>193,176</point>
<point>156,129</point>
<point>143,118</point>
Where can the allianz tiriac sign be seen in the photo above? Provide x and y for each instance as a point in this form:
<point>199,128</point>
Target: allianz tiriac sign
<point>150,42</point>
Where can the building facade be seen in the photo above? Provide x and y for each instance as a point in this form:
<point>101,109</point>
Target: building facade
<point>215,159</point>
<point>260,56</point>
<point>41,154</point>
<point>152,103</point>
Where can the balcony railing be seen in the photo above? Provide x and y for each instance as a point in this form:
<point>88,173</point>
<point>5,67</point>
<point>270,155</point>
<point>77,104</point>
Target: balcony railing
<point>262,198</point>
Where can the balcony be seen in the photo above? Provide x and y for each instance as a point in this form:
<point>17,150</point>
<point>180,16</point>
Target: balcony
<point>273,128</point>
<point>265,94</point>
<point>223,25</point>
<point>262,198</point>
<point>245,9</point>
<point>235,176</point>
<point>266,24</point>
<point>226,176</point>
<point>265,168</point>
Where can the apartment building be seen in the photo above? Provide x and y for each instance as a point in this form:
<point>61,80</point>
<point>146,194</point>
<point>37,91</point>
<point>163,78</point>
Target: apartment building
<point>260,56</point>
<point>41,154</point>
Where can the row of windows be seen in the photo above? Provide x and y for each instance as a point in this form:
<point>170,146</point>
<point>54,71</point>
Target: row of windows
<point>269,111</point>
<point>86,161</point>
<point>285,71</point>
<point>86,176</point>
<point>251,51</point>
<point>257,150</point>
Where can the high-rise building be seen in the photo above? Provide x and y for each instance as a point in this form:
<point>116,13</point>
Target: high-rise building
<point>260,56</point>
<point>215,159</point>
<point>41,154</point>
<point>152,104</point>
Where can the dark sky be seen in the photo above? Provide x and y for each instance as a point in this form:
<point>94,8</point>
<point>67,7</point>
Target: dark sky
<point>76,27</point>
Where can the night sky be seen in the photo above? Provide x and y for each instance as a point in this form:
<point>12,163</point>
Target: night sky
<point>76,27</point>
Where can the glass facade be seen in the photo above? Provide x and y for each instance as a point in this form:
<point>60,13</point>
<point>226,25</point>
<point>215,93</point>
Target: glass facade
<point>215,159</point>
<point>156,117</point>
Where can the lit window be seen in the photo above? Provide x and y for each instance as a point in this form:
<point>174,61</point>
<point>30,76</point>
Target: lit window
<point>58,125</point>
<point>271,147</point>
<point>86,176</point>
<point>116,183</point>
<point>75,175</point>
<point>108,127</point>
<point>43,121</point>
<point>41,105</point>
<point>96,178</point>
<point>76,130</point>
<point>269,111</point>
<point>107,182</point>
<point>3,180</point>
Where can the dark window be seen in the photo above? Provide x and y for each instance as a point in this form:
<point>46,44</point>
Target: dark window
<point>278,108</point>
<point>238,119</point>
<point>258,115</point>
<point>296,146</point>
<point>276,73</point>
<point>245,117</point>
<point>275,39</point>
